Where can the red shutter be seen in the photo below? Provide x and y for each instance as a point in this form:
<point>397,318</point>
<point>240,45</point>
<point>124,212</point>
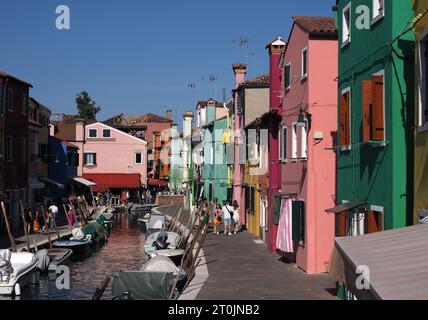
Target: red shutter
<point>373,222</point>
<point>378,129</point>
<point>341,224</point>
<point>367,106</point>
<point>344,120</point>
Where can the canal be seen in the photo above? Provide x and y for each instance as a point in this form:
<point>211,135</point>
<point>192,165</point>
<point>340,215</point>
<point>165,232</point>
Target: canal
<point>124,251</point>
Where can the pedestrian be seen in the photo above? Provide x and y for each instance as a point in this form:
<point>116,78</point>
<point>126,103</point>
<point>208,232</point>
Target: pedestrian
<point>28,219</point>
<point>227,216</point>
<point>236,216</point>
<point>71,216</point>
<point>217,218</point>
<point>205,214</point>
<point>53,211</point>
<point>123,197</point>
<point>40,219</point>
<point>128,196</point>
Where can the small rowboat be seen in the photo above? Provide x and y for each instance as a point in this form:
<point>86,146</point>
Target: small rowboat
<point>78,247</point>
<point>58,257</point>
<point>176,255</point>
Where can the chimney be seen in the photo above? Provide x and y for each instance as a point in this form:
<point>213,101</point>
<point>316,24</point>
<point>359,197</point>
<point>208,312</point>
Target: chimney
<point>187,125</point>
<point>211,110</point>
<point>276,49</point>
<point>169,114</point>
<point>240,71</point>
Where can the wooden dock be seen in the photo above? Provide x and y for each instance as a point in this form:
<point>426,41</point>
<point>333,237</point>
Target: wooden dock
<point>40,240</point>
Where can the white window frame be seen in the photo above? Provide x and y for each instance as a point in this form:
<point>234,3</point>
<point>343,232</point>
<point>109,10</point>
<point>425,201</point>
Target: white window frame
<point>376,13</point>
<point>287,88</point>
<point>280,144</point>
<point>349,146</point>
<point>24,104</point>
<point>346,39</point>
<point>89,133</point>
<point>85,161</point>
<point>304,75</point>
<point>294,143</point>
<point>141,154</point>
<point>9,105</point>
<point>109,137</point>
<point>303,141</point>
<point>423,84</point>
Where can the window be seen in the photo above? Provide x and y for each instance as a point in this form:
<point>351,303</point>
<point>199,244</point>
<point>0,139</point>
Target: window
<point>423,83</point>
<point>90,159</point>
<point>283,144</point>
<point>92,133</point>
<point>9,148</point>
<point>378,10</point>
<point>304,63</point>
<point>287,76</point>
<point>298,221</point>
<point>138,158</point>
<point>250,199</point>
<point>24,104</point>
<point>304,142</point>
<point>294,154</point>
<point>345,120</point>
<point>346,25</point>
<point>72,159</point>
<point>10,100</point>
<point>373,109</point>
<point>106,133</point>
<point>373,222</point>
<point>23,150</point>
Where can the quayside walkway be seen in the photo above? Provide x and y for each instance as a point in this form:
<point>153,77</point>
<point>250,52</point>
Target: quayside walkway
<point>241,268</point>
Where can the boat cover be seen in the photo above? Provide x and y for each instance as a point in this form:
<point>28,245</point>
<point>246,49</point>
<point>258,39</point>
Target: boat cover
<point>142,285</point>
<point>156,222</point>
<point>78,234</point>
<point>5,263</point>
<point>44,260</point>
<point>160,264</point>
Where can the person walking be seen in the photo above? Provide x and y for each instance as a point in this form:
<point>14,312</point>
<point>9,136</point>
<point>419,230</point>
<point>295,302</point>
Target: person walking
<point>123,197</point>
<point>53,211</point>
<point>28,219</point>
<point>217,218</point>
<point>205,214</point>
<point>236,217</point>
<point>228,215</point>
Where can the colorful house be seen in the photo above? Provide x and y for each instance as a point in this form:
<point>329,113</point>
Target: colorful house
<point>376,117</point>
<point>254,97</point>
<point>307,135</point>
<point>421,113</point>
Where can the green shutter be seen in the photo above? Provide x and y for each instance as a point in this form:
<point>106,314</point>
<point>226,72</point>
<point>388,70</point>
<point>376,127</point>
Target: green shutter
<point>298,221</point>
<point>276,209</point>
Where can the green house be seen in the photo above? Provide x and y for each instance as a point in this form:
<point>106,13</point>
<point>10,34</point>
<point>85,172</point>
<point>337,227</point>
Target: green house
<point>376,103</point>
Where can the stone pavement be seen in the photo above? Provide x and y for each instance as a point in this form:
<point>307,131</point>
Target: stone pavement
<point>241,269</point>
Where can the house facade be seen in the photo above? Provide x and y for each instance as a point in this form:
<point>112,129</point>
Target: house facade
<point>375,118</point>
<point>14,131</point>
<point>307,137</point>
<point>421,114</point>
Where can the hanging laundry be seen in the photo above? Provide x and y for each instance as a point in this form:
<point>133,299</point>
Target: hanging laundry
<point>284,241</point>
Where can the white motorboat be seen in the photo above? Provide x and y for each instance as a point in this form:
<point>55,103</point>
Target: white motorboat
<point>16,271</point>
<point>176,255</point>
<point>173,241</point>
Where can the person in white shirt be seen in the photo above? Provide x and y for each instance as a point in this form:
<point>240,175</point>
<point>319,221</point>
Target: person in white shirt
<point>236,216</point>
<point>53,211</point>
<point>227,216</point>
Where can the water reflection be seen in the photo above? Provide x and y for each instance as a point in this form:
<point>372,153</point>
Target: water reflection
<point>124,251</point>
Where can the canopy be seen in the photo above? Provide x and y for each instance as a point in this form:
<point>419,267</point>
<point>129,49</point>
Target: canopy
<point>102,182</point>
<point>347,206</point>
<point>157,182</point>
<point>35,184</point>
<point>85,182</point>
<point>396,261</point>
<point>52,182</point>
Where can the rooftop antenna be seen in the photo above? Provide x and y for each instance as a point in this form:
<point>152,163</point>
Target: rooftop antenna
<point>244,42</point>
<point>212,80</point>
<point>192,86</point>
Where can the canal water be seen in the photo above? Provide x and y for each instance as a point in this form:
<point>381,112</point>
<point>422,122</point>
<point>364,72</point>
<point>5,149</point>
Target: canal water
<point>124,251</point>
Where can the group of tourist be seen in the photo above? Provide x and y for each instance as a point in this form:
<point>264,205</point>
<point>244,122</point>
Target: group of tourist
<point>39,219</point>
<point>215,214</point>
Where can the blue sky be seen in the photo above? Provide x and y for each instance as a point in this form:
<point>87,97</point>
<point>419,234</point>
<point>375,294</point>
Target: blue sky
<point>138,56</point>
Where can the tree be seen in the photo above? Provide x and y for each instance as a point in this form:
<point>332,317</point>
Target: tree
<point>86,107</point>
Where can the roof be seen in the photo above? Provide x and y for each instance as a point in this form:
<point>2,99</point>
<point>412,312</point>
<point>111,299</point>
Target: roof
<point>396,259</point>
<point>6,75</point>
<point>346,207</point>
<point>263,81</point>
<point>157,182</point>
<point>101,182</point>
<point>316,25</point>
<point>203,104</point>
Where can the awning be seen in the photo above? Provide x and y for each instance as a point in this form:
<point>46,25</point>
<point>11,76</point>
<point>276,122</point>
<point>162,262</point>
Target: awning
<point>157,182</point>
<point>52,183</point>
<point>102,182</point>
<point>395,262</point>
<point>85,182</point>
<point>35,184</point>
<point>346,207</point>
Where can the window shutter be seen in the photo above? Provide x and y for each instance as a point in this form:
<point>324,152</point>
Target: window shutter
<point>95,158</point>
<point>341,225</point>
<point>344,120</point>
<point>367,108</point>
<point>85,158</point>
<point>377,109</point>
<point>276,209</point>
<point>247,198</point>
<point>298,221</point>
<point>373,222</point>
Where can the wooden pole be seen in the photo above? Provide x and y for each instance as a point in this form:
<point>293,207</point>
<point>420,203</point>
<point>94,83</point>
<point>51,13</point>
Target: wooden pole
<point>47,227</point>
<point>6,220</point>
<point>27,238</point>
<point>66,215</point>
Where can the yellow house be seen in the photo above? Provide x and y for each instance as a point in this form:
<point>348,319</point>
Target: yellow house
<point>421,121</point>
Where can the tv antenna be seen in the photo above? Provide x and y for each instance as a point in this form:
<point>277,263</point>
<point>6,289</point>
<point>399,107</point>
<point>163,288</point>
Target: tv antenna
<point>192,86</point>
<point>242,41</point>
<point>212,79</point>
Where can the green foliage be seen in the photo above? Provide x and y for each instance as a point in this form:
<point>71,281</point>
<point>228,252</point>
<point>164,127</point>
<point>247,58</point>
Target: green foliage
<point>86,107</point>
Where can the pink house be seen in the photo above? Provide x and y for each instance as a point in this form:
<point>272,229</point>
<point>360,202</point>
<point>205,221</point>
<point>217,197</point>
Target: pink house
<point>111,158</point>
<point>309,127</point>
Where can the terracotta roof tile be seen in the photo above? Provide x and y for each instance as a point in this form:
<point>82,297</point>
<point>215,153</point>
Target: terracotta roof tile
<point>259,81</point>
<point>316,24</point>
